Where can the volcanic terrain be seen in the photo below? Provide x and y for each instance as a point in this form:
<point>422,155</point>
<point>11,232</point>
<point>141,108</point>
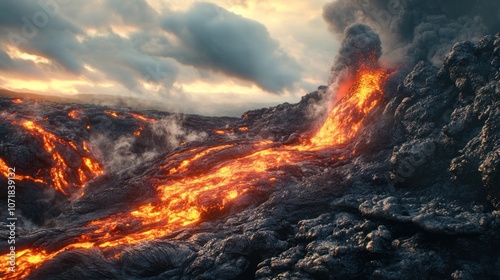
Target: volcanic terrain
<point>398,178</point>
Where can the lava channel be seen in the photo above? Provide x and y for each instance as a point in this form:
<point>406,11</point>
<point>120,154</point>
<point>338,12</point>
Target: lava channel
<point>189,196</point>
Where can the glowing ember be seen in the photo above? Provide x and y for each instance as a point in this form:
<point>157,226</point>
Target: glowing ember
<point>142,118</point>
<point>72,145</point>
<point>190,195</point>
<point>17,100</point>
<point>75,114</point>
<point>85,147</point>
<point>113,114</point>
<point>49,139</point>
<point>94,167</point>
<point>138,131</point>
<point>220,131</point>
<point>57,173</point>
<point>243,128</point>
<point>185,163</point>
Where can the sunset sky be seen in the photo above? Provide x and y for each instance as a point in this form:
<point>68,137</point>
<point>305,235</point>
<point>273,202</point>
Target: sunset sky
<point>214,57</point>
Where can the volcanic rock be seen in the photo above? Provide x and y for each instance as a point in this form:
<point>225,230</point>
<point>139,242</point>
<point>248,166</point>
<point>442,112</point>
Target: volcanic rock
<point>415,195</point>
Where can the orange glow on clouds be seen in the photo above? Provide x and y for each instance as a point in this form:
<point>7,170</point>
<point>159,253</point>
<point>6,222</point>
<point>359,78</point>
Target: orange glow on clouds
<point>51,86</point>
<point>17,54</point>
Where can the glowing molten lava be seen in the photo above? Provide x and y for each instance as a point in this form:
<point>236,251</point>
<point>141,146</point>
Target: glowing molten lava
<point>142,118</point>
<point>205,182</point>
<point>144,121</point>
<point>346,117</point>
<point>4,171</point>
<point>75,114</point>
<point>60,173</point>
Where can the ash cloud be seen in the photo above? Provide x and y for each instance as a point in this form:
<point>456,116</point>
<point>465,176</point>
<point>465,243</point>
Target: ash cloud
<point>32,29</point>
<point>361,45</point>
<point>417,30</point>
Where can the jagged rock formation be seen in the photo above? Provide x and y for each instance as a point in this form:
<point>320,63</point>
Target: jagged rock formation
<point>415,195</point>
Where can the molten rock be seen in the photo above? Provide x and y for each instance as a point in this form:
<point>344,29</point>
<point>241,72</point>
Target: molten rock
<point>413,193</point>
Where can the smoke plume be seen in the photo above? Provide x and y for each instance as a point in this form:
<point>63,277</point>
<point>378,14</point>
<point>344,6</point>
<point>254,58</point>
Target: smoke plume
<point>361,45</point>
<point>417,30</point>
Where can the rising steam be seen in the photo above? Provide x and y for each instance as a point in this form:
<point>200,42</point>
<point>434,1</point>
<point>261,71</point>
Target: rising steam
<point>131,151</point>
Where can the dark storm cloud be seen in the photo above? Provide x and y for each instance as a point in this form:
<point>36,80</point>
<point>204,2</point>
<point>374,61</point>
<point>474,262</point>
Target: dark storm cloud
<point>213,38</point>
<point>38,28</point>
<point>413,30</point>
<point>23,67</point>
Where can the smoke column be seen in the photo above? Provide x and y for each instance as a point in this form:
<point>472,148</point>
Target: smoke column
<point>360,46</point>
<point>413,30</point>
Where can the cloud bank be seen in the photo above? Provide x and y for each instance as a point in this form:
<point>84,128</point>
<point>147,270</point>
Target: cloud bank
<point>212,38</point>
<point>141,49</point>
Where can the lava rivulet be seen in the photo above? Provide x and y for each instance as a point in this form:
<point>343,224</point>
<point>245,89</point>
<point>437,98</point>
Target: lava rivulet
<point>229,171</point>
<point>4,167</point>
<point>142,119</point>
<point>60,173</point>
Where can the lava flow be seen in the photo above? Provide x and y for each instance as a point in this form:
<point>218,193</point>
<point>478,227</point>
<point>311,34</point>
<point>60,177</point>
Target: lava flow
<point>204,182</point>
<point>60,170</point>
<point>144,120</point>
<point>61,177</point>
<point>5,167</point>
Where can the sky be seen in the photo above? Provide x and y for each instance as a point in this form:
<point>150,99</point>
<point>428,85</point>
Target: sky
<point>219,57</point>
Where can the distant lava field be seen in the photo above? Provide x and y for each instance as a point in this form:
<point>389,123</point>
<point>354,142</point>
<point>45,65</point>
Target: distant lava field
<point>394,177</point>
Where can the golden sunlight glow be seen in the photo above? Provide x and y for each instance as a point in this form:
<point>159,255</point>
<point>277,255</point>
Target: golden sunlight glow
<point>89,68</point>
<point>227,86</point>
<point>21,84</point>
<point>124,31</point>
<point>50,86</point>
<point>17,54</point>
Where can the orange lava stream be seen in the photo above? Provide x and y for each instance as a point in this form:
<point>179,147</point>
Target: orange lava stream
<point>113,114</point>
<point>4,171</point>
<point>143,119</point>
<point>186,199</point>
<point>344,121</point>
<point>60,169</point>
<point>183,166</point>
<point>220,131</point>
